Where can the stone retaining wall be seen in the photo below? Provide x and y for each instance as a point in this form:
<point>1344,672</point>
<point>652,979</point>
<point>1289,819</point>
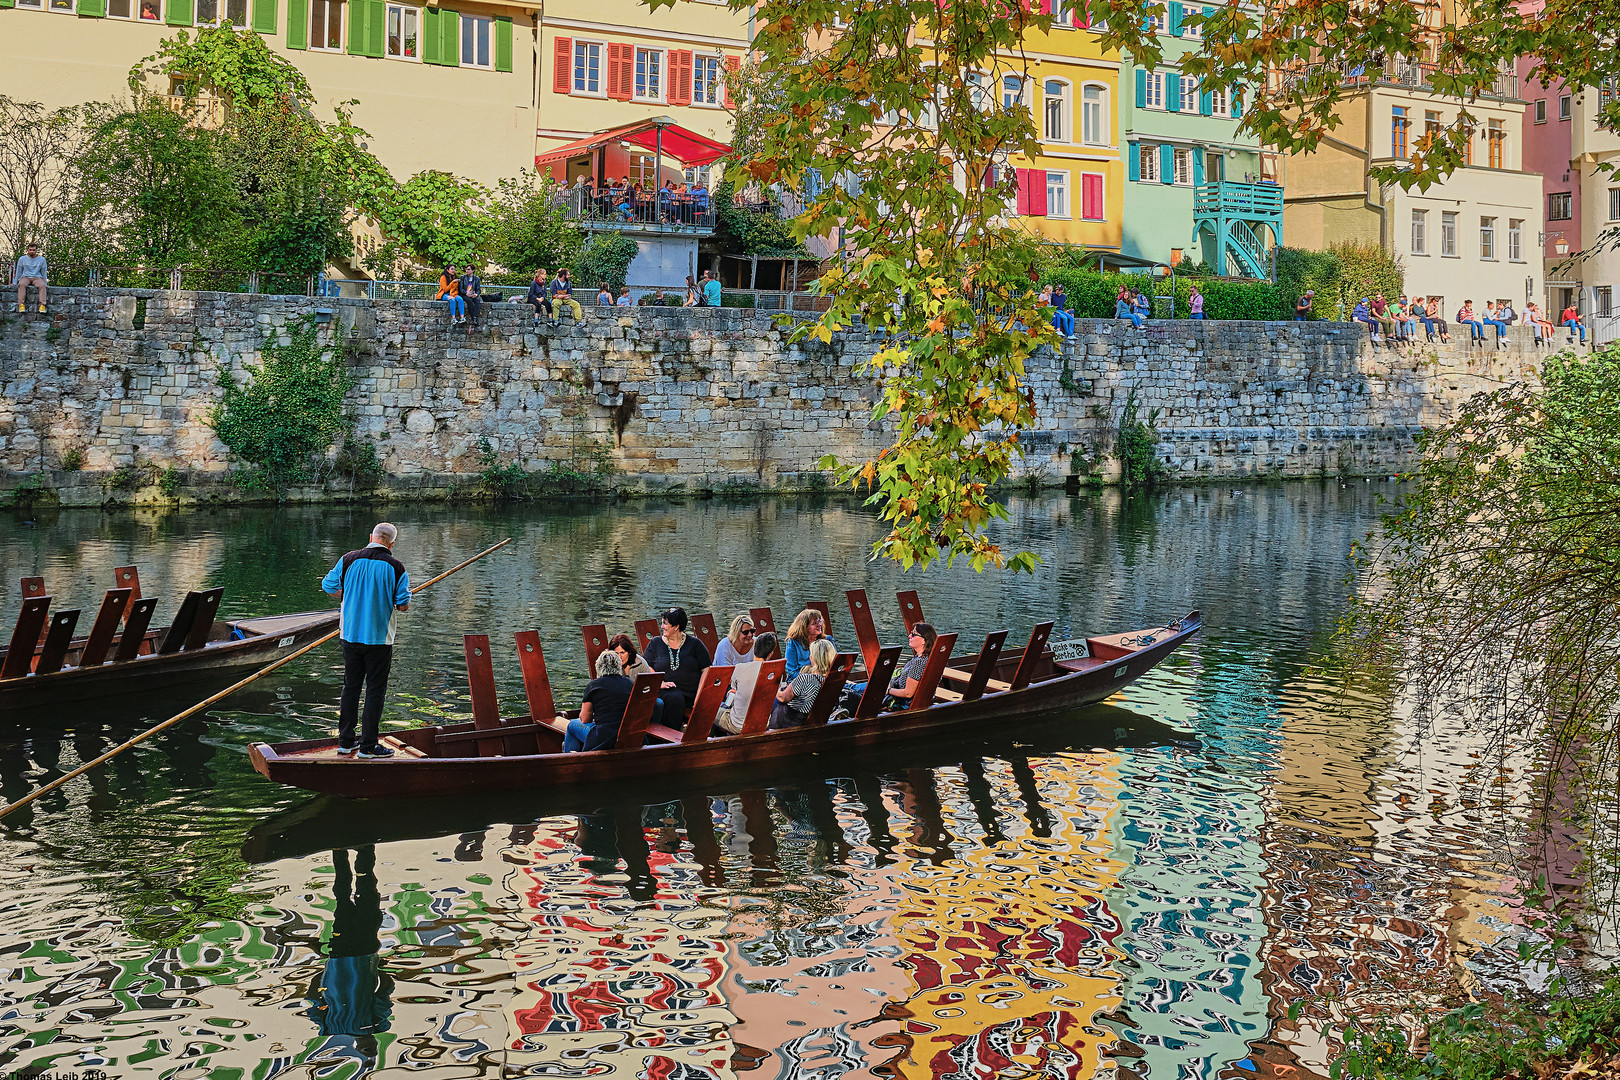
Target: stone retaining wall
<point>692,399</point>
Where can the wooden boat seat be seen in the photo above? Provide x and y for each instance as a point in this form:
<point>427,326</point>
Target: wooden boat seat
<point>667,734</point>
<point>946,695</point>
<point>404,748</point>
<point>967,676</point>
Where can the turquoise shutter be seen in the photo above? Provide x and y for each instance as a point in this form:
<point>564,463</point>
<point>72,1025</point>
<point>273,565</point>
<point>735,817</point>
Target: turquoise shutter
<point>297,24</point>
<point>1175,19</point>
<point>264,16</point>
<point>179,13</point>
<point>1237,101</point>
<point>1172,91</point>
<point>1141,88</point>
<point>503,43</point>
<point>93,9</point>
<point>1167,163</point>
<point>1206,103</point>
<point>1133,160</point>
<point>449,38</point>
<point>1198,166</point>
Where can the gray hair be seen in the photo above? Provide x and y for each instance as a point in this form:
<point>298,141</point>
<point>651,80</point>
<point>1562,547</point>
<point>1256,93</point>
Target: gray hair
<point>609,663</point>
<point>384,532</point>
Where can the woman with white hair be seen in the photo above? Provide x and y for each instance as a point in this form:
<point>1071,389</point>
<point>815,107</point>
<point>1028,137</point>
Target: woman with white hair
<point>606,698</point>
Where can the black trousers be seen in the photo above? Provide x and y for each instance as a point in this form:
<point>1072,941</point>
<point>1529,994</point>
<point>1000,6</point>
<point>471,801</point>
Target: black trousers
<point>473,307</point>
<point>368,666</point>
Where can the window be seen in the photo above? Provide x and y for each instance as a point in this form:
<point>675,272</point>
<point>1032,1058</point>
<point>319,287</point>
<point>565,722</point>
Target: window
<point>1218,104</point>
<point>150,10</point>
<point>1448,233</point>
<point>326,24</point>
<point>643,170</point>
<point>1496,145</point>
<point>1091,196</point>
<point>62,5</point>
<point>1012,92</point>
<point>1603,301</point>
<point>587,67</point>
<point>1541,110</point>
<point>1184,166</point>
<point>1516,239</point>
<point>1057,194</point>
<point>1155,90</point>
<point>696,176</point>
<point>1487,238</point>
<point>1094,115</point>
<point>1468,147</point>
<point>1398,127</point>
<point>1148,156</point>
<point>1431,125</point>
<point>1057,110</point>
<point>1159,20</point>
<point>978,91</point>
<point>1563,107</point>
<point>1194,32</point>
<point>1063,14</point>
<point>1214,166</point>
<point>210,12</point>
<point>1614,204</point>
<point>402,39</point>
<point>1420,232</point>
<point>649,68</point>
<point>1189,93</point>
<point>706,88</point>
<point>475,39</point>
<point>1560,206</point>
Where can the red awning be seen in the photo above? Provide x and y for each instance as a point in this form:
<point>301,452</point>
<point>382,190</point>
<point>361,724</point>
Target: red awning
<point>658,132</point>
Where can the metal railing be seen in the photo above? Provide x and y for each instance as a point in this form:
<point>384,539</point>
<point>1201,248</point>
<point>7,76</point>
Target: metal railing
<point>1245,200</point>
<point>1411,74</point>
<point>658,212</point>
<point>183,279</point>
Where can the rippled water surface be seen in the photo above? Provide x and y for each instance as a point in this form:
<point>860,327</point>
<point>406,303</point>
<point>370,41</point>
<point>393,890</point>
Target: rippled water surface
<point>1143,888</point>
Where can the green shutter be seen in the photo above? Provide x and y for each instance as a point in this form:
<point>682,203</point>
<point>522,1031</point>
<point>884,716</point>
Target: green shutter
<point>179,13</point>
<point>8,3</point>
<point>376,28</point>
<point>297,24</point>
<point>503,43</point>
<point>449,38</point>
<point>358,10</point>
<point>427,36</point>
<point>264,16</point>
<point>93,9</point>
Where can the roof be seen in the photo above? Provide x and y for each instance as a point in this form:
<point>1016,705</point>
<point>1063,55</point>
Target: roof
<point>653,133</point>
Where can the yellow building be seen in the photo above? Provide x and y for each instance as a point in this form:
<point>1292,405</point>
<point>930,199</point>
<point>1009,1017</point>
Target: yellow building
<point>1074,191</point>
<point>448,87</point>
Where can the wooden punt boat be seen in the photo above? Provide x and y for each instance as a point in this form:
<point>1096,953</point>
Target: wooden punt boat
<point>46,665</point>
<point>491,753</point>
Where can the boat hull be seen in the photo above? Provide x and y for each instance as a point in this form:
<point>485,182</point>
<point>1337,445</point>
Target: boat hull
<point>308,764</point>
<point>130,681</point>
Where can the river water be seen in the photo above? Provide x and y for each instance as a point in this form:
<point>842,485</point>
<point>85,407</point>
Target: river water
<point>1191,880</point>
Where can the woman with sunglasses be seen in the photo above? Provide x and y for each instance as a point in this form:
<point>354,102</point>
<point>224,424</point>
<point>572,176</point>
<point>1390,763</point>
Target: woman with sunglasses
<point>904,685</point>
<point>737,647</point>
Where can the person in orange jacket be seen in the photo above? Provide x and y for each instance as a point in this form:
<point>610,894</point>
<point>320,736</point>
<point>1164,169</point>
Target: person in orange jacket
<point>450,291</point>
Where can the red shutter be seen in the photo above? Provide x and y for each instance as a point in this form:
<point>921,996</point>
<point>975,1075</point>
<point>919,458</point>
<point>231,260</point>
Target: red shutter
<point>1023,192</point>
<point>621,71</point>
<point>680,76</point>
<point>1091,196</point>
<point>1037,193</point>
<point>1082,13</point>
<point>612,72</point>
<point>562,77</point>
<point>1046,7</point>
<point>733,65</point>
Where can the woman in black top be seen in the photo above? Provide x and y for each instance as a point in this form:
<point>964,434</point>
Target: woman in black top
<point>682,658</point>
<point>606,698</point>
<point>904,686</point>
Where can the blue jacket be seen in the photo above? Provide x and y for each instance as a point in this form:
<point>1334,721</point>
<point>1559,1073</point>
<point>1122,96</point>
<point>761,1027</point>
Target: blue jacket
<point>797,657</point>
<point>373,584</point>
<point>1122,309</point>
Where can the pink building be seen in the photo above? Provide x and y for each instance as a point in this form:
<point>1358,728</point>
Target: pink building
<point>1549,117</point>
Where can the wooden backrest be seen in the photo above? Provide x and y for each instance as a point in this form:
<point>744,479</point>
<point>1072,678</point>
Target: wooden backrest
<point>646,630</point>
<point>764,624</point>
<point>113,606</point>
<point>938,657</point>
<point>710,696</point>
<point>860,617</point>
<point>638,714</point>
<point>203,624</point>
<point>57,639</point>
<point>877,685</point>
<point>765,688</point>
<point>986,666</point>
<point>180,629</point>
<point>25,637</point>
<point>536,683</point>
<point>910,609</point>
<point>128,577</point>
<point>35,586</point>
<point>826,615</point>
<point>1032,655</point>
<point>596,639</point>
<point>832,688</point>
<point>481,686</point>
<point>704,630</point>
<point>139,618</point>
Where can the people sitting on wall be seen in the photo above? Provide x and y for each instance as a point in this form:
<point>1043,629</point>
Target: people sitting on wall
<point>1125,308</point>
<point>1144,306</point>
<point>450,292</point>
<point>1571,320</point>
<point>796,697</point>
<point>471,288</point>
<point>1492,316</point>
<point>539,298</point>
<point>30,270</point>
<point>682,658</point>
<point>1538,323</point>
<point>1062,318</point>
<point>562,292</point>
<point>903,687</point>
<point>606,698</point>
<point>1435,320</point>
<point>1362,313</point>
<point>1465,317</point>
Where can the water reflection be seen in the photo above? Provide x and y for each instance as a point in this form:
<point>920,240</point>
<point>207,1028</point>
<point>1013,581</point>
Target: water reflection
<point>1145,890</point>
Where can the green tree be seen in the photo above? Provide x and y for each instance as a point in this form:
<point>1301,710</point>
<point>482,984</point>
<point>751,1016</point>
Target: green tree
<point>437,218</point>
<point>289,192</point>
<point>529,228</point>
<point>606,257</point>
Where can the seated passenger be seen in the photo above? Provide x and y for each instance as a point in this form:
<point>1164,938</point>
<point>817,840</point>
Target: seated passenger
<point>743,680</point>
<point>606,698</point>
<point>794,700</point>
<point>682,658</point>
<point>806,630</point>
<point>904,685</point>
<point>737,647</point>
<point>625,647</point>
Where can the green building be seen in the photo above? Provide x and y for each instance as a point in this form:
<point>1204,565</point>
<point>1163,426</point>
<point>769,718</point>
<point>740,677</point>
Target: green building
<point>1194,182</point>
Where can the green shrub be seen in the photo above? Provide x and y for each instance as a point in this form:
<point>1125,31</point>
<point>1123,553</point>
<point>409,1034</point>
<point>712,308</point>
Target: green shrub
<point>1137,445</point>
<point>168,481</point>
<point>72,459</point>
<point>606,257</point>
<point>1091,294</point>
<point>1341,275</point>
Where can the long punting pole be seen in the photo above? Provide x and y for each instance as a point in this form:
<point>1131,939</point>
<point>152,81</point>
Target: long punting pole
<point>225,693</point>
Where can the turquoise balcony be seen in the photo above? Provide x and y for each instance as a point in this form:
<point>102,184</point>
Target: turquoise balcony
<point>1243,221</point>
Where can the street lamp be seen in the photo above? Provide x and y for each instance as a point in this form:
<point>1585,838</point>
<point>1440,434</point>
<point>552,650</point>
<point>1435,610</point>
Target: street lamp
<point>1168,269</point>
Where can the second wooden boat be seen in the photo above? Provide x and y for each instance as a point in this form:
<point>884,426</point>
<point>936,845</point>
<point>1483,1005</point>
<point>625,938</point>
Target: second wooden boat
<point>955,695</point>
